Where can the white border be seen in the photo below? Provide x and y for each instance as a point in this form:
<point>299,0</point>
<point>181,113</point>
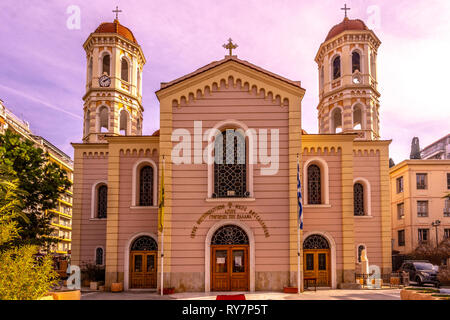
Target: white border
<point>135,177</point>
<point>324,178</point>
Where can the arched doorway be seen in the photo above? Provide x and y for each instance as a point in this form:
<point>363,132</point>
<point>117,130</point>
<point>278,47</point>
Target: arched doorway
<point>317,260</point>
<point>230,259</point>
<point>143,263</point>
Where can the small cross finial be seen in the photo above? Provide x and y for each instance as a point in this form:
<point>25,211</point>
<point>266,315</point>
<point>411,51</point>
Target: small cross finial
<point>345,10</point>
<point>117,12</point>
<point>230,46</point>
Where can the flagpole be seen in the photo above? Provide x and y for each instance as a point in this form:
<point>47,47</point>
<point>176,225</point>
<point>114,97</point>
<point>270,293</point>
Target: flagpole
<point>300,288</point>
<point>162,232</point>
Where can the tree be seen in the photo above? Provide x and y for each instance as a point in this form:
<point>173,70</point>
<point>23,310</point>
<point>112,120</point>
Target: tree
<point>22,275</point>
<point>41,181</point>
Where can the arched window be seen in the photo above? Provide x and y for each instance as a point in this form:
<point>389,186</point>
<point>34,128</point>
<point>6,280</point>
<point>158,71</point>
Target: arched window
<point>356,62</point>
<point>315,242</point>
<point>106,65</point>
<point>229,235</point>
<point>146,186</point>
<point>314,185</point>
<point>230,171</point>
<point>102,201</point>
<point>87,123</point>
<point>358,199</point>
<point>360,250</point>
<point>144,243</point>
<point>124,119</point>
<point>124,70</point>
<point>90,71</point>
<point>336,67</point>
<point>104,119</point>
<point>321,78</point>
<point>99,256</point>
<point>336,121</point>
<point>357,118</point>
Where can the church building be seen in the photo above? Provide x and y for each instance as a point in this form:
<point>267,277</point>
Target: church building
<point>229,139</point>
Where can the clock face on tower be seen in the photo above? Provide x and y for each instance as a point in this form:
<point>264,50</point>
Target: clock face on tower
<point>104,81</point>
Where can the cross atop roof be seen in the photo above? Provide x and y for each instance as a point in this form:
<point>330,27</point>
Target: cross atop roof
<point>345,10</point>
<point>230,46</point>
<point>117,12</point>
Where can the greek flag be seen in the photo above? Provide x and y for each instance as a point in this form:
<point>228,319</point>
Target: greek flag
<point>299,197</point>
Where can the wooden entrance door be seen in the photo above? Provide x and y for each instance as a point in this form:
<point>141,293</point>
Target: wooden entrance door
<point>316,264</point>
<point>143,269</point>
<point>229,268</point>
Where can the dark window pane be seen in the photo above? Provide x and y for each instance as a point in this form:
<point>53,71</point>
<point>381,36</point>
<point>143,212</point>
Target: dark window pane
<point>230,169</point>
<point>358,199</point>
<point>314,185</point>
<point>144,243</point>
<point>102,202</point>
<point>309,261</point>
<point>106,64</point>
<point>150,263</point>
<point>356,65</point>
<point>124,70</point>
<point>315,241</point>
<point>138,263</point>
<point>322,261</point>
<point>146,186</point>
<point>336,67</point>
<point>421,180</point>
<point>99,256</point>
<point>229,235</point>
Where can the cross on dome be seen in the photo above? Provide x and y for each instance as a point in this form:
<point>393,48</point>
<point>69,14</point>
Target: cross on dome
<point>117,12</point>
<point>345,9</point>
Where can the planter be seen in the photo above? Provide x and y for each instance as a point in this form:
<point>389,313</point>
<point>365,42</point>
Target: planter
<point>290,290</point>
<point>168,290</point>
<point>101,288</point>
<point>66,295</point>
<point>395,281</point>
<point>85,283</point>
<point>117,287</point>
<point>93,285</point>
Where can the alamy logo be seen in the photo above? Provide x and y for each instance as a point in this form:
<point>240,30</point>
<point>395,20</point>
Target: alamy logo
<point>227,146</point>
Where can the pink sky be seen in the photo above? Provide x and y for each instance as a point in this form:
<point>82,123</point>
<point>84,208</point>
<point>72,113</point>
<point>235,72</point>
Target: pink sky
<point>42,77</point>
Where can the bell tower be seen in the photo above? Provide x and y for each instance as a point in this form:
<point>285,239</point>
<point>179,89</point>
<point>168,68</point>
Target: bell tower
<point>348,96</point>
<point>113,98</point>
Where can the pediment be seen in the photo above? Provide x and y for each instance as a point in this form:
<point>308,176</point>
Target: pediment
<point>232,71</point>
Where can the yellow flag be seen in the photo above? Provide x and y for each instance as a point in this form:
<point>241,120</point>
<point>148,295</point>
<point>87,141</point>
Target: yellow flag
<point>161,202</point>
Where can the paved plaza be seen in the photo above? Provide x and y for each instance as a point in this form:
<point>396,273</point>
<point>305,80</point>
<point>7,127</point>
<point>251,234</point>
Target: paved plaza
<point>383,294</point>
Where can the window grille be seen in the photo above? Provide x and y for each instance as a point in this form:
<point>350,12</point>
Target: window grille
<point>146,186</point>
<point>358,199</point>
<point>315,242</point>
<point>102,202</point>
<point>144,243</point>
<point>229,235</point>
<point>314,185</point>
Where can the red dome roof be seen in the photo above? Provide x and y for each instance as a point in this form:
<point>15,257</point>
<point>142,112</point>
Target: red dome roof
<point>116,27</point>
<point>345,25</point>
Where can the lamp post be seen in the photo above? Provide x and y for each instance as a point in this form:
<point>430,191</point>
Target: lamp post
<point>436,224</point>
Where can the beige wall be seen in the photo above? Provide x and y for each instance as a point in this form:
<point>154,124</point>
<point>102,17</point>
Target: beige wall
<point>436,171</point>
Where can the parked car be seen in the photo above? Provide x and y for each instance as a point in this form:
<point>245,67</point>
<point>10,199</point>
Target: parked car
<point>421,272</point>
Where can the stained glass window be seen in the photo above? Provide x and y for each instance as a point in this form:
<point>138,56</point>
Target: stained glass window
<point>102,201</point>
<point>99,256</point>
<point>315,241</point>
<point>314,186</point>
<point>230,172</point>
<point>144,243</point>
<point>146,186</point>
<point>229,235</point>
<point>358,199</point>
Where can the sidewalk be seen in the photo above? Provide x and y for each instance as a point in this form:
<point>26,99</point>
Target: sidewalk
<point>383,294</point>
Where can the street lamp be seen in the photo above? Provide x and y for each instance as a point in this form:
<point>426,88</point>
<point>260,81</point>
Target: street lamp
<point>436,224</point>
